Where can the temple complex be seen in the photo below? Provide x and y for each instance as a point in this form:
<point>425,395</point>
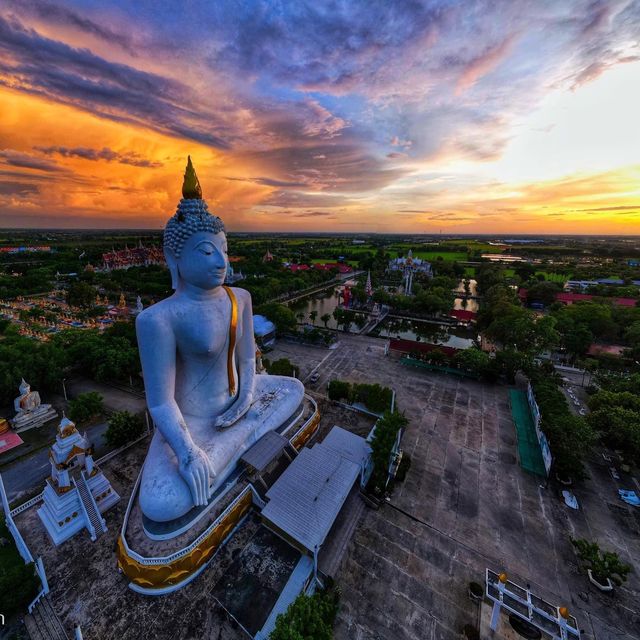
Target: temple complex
<point>77,493</point>
<point>409,266</point>
<point>30,412</point>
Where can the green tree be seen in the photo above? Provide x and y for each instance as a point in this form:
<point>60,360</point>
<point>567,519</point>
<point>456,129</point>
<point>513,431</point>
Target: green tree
<point>81,294</point>
<point>473,360</point>
<point>339,390</point>
<point>313,314</point>
<point>123,427</point>
<point>19,583</point>
<point>85,406</point>
<point>544,292</point>
<point>325,317</point>
<point>382,443</point>
<point>280,315</point>
<point>308,618</point>
<point>282,367</point>
<point>604,565</point>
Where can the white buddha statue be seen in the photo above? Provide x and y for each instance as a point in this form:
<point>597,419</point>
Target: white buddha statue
<point>27,400</point>
<point>198,359</point>
<point>30,412</point>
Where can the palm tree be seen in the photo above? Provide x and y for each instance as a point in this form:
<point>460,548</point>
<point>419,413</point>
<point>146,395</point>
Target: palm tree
<point>312,316</point>
<point>325,318</point>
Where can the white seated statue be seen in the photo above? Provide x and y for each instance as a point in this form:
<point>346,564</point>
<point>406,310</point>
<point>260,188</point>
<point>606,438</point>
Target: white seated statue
<point>30,412</point>
<point>198,358</point>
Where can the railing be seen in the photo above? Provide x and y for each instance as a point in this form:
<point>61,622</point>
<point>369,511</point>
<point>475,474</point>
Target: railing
<point>179,554</point>
<point>312,421</point>
<point>124,447</point>
<point>108,456</point>
<point>92,531</point>
<point>93,506</point>
<point>28,504</point>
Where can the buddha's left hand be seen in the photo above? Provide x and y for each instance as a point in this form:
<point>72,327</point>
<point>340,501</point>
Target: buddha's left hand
<point>233,413</point>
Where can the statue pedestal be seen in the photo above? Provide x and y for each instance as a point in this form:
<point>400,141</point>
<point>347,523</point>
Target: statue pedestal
<point>160,557</point>
<point>32,419</point>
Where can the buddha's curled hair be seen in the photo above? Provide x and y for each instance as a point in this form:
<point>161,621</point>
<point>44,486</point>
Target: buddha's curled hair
<point>191,216</point>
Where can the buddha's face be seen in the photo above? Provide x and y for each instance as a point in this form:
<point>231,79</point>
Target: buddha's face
<point>203,260</point>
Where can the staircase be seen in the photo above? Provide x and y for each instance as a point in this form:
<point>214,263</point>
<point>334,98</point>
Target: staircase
<point>90,506</point>
<point>43,623</point>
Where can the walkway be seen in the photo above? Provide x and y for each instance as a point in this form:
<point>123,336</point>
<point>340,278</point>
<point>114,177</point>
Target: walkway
<point>374,321</point>
<point>43,623</point>
<point>528,445</point>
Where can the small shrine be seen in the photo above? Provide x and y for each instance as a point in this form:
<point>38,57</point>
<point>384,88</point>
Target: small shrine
<point>30,412</point>
<point>77,493</point>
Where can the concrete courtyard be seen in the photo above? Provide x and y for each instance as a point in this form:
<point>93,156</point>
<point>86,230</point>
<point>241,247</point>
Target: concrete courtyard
<point>466,505</point>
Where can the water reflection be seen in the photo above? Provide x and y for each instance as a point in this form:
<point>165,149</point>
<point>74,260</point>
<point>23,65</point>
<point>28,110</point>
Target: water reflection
<point>326,301</point>
<point>457,337</point>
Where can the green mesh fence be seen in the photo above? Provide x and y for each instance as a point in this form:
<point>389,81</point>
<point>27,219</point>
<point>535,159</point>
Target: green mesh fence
<point>528,446</point>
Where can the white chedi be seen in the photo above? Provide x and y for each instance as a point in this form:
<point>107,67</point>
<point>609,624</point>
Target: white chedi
<point>76,493</point>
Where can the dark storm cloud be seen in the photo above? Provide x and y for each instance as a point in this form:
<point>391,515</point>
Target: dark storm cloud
<point>17,189</point>
<point>269,182</point>
<point>50,68</point>
<point>27,161</point>
<point>345,167</point>
<point>57,14</point>
<point>107,154</point>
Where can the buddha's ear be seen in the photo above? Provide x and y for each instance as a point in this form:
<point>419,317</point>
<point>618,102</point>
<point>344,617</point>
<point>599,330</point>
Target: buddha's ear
<point>172,263</point>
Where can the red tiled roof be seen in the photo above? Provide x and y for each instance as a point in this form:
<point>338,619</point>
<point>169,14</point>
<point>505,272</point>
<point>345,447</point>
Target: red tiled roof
<point>9,440</point>
<point>564,296</point>
<point>609,349</point>
<point>463,314</point>
<point>325,266</point>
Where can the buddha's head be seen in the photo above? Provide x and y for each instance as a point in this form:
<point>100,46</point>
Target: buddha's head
<point>195,244</point>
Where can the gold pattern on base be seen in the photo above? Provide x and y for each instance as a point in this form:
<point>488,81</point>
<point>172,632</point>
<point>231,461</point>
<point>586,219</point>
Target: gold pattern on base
<point>159,576</point>
<point>304,435</point>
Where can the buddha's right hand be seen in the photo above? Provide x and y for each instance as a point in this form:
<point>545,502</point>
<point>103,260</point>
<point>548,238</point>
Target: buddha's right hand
<point>196,470</point>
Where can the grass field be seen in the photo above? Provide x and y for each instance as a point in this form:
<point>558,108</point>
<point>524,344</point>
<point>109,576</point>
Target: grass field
<point>432,256</point>
<point>554,277</point>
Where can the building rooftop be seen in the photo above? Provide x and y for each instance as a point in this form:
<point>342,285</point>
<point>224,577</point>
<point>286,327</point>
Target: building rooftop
<point>265,450</point>
<point>308,496</point>
<point>348,445</point>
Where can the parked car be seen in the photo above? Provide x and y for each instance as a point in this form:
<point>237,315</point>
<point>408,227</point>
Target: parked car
<point>314,377</point>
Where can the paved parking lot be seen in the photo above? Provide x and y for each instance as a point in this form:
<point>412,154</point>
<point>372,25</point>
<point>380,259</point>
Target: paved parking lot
<point>467,505</point>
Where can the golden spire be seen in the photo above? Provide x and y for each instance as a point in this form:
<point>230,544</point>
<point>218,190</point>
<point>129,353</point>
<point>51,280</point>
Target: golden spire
<point>191,187</point>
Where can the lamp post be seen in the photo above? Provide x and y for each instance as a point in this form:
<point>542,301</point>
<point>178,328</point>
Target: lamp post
<point>64,389</point>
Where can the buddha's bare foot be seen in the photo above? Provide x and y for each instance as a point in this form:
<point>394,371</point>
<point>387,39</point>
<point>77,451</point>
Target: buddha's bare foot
<point>233,414</point>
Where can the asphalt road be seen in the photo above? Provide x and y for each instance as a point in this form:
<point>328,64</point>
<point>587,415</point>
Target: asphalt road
<point>28,474</point>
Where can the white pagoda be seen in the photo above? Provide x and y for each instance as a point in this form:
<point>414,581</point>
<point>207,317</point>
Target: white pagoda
<point>77,493</point>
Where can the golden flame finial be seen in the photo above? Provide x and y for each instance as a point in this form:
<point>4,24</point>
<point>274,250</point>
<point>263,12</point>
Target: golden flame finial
<point>191,187</point>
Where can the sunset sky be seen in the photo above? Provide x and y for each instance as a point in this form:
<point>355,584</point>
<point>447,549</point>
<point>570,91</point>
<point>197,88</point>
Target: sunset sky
<point>483,116</point>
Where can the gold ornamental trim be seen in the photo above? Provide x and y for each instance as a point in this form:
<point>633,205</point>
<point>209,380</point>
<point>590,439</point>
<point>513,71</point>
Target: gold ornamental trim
<point>159,576</point>
<point>233,330</point>
<point>305,434</point>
